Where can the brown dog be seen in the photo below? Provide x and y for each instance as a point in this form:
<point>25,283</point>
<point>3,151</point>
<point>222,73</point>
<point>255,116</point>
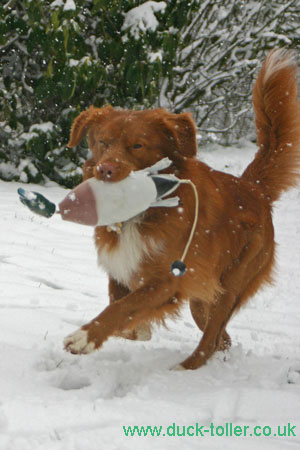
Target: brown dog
<point>232,252</point>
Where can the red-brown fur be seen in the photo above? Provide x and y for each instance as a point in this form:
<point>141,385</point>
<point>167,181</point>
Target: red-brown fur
<point>232,251</point>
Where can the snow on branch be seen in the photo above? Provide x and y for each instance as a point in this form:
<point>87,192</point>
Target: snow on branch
<point>142,18</point>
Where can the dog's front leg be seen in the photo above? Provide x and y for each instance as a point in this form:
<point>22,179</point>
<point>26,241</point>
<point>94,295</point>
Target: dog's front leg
<point>143,331</point>
<point>126,313</point>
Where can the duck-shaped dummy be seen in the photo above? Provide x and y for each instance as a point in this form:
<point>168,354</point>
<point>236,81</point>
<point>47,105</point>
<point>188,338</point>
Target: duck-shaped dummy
<point>99,203</point>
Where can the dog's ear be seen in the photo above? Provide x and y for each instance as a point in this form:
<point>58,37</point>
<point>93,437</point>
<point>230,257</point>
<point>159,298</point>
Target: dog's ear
<point>181,129</point>
<point>83,122</point>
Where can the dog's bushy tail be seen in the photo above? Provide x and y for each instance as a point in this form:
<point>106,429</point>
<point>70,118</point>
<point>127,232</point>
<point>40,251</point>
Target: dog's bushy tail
<point>276,166</point>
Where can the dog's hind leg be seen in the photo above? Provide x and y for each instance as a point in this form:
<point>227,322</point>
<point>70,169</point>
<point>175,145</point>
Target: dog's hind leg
<point>200,311</point>
<point>239,281</point>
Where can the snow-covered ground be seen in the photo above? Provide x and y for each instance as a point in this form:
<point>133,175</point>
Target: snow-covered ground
<point>51,400</point>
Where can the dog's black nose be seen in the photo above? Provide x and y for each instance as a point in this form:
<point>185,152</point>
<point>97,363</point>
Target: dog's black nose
<point>106,170</point>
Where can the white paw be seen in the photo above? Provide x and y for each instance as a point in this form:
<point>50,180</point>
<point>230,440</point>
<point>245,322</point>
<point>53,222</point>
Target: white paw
<point>143,333</point>
<point>78,343</point>
<point>177,367</point>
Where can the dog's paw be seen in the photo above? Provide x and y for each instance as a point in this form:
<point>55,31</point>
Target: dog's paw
<point>143,332</point>
<point>177,367</point>
<point>78,343</point>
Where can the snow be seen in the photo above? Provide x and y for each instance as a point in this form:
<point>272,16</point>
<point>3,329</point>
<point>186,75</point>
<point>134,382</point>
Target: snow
<point>57,4</point>
<point>52,400</point>
<point>83,60</point>
<point>142,18</point>
<point>29,195</point>
<point>155,56</point>
<point>43,127</point>
<point>69,5</point>
<point>72,196</point>
<point>8,170</point>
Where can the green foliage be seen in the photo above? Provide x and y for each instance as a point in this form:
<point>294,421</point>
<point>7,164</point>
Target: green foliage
<point>56,60</point>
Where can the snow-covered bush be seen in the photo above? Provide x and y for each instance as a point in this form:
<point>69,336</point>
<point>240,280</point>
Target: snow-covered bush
<point>220,47</point>
<point>58,57</point>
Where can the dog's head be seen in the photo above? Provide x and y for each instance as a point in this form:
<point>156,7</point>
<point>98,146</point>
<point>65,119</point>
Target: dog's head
<point>123,141</point>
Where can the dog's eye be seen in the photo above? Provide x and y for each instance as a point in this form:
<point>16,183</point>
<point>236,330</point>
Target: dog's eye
<point>136,146</point>
<point>103,143</point>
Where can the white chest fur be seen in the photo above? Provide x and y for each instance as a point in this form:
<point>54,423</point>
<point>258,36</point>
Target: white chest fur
<point>123,261</point>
